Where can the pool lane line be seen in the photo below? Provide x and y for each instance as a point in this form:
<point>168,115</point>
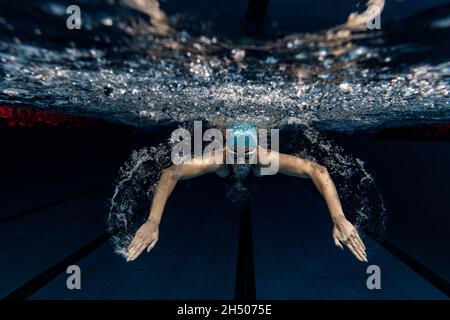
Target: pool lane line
<point>39,281</point>
<point>432,277</point>
<point>51,204</point>
<point>245,287</point>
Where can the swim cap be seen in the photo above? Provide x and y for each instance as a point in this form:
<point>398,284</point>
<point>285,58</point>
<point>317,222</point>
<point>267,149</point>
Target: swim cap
<point>242,136</point>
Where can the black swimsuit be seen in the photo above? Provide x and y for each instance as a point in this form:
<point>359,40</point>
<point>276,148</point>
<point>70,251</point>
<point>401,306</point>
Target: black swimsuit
<point>240,173</point>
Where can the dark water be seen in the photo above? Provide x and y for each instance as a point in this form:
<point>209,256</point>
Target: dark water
<point>127,66</point>
<point>142,66</point>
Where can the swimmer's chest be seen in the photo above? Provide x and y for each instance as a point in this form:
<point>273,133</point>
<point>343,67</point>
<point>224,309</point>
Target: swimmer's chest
<point>239,172</point>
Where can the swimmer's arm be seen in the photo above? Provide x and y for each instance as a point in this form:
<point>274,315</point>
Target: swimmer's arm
<point>147,235</point>
<point>295,166</point>
<point>343,230</point>
<point>168,180</point>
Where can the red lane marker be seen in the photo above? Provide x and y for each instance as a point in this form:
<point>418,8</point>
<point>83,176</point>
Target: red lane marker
<point>435,132</point>
<point>28,118</point>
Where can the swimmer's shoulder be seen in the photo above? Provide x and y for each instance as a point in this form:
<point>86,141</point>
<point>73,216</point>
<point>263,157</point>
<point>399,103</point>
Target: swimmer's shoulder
<point>265,157</point>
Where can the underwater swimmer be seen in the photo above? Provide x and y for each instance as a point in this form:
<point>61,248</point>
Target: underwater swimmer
<point>344,233</point>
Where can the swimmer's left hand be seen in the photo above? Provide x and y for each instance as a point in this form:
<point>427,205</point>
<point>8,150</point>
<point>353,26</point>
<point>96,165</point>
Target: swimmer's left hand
<point>344,232</point>
<point>145,238</point>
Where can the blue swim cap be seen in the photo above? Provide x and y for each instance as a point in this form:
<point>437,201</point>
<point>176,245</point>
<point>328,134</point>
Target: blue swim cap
<point>242,135</point>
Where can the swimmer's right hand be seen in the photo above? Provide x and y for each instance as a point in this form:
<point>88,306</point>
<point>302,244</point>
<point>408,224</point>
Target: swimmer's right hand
<point>145,238</point>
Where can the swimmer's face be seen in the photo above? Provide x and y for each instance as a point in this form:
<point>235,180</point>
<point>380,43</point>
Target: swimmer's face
<point>242,153</point>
